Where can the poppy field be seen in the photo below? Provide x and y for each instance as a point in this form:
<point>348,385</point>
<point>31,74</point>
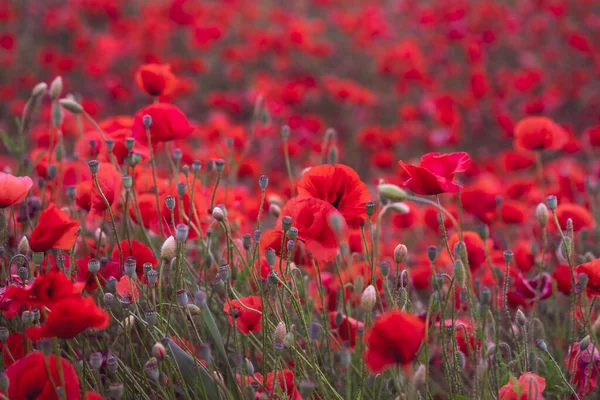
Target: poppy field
<point>302,199</point>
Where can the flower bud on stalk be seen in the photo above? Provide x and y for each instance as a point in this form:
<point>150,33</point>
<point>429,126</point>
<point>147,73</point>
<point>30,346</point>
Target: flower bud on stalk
<point>459,272</point>
<point>170,202</point>
<point>218,214</point>
<point>274,210</point>
<point>168,249</point>
<point>368,299</point>
<point>181,232</point>
<point>279,336</point>
<point>39,90</point>
<point>158,351</point>
<point>521,318</point>
<point>23,247</point>
<point>151,369</point>
<point>56,88</point>
<point>400,253</point>
<point>71,106</point>
<point>541,213</point>
<point>96,360</point>
<point>551,202</point>
<point>391,192</point>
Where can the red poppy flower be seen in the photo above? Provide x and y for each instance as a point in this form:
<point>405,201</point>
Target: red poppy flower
<point>69,317</point>
<point>583,366</point>
<point>580,216</point>
<point>562,276</point>
<point>111,269</point>
<point>29,378</point>
<point>340,186</point>
<point>89,395</point>
<point>155,79</point>
<point>527,291</point>
<point>142,253</point>
<point>12,349</point>
<point>246,320</point>
<point>592,270</point>
<point>529,386</point>
<point>435,173</point>
<point>311,217</point>
<point>127,287</point>
<point>168,123</point>
<point>285,379</point>
<point>393,339</point>
<point>347,330</point>
<point>89,198</point>
<point>13,190</point>
<point>475,248</point>
<point>46,290</point>
<point>55,230</point>
<point>539,133</point>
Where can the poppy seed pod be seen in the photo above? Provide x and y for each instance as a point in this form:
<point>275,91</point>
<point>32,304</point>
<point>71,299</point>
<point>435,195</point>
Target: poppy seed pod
<point>94,166</point>
<point>93,265</point>
<point>168,249</point>
<point>129,266</point>
<point>263,182</point>
<point>182,298</point>
<point>314,331</point>
<point>285,131</point>
<point>96,359</point>
<point>4,333</point>
<point>384,268</point>
<point>540,344</point>
<point>432,252</point>
<point>170,202</point>
<point>370,208</point>
<point>486,296</point>
<point>53,170</point>
<point>181,232</point>
<point>147,120</point>
<point>270,257</point>
<point>293,233</point>
<point>541,213</point>
<point>279,336</point>
<point>551,202</point>
<point>257,235</point>
<point>56,88</point>
<point>391,192</point>
<point>152,276</point>
<point>368,299</point>
<point>177,155</point>
<point>286,223</point>
<point>115,390</point>
<point>508,256</point>
<point>129,143</point>
<point>127,182</point>
<point>400,253</point>
<point>337,223</point>
<point>181,188</point>
<point>219,165</point>
<point>151,369</point>
<point>27,317</point>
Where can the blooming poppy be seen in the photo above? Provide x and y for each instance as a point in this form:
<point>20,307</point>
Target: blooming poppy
<point>12,349</point>
<point>168,123</point>
<point>46,290</point>
<point>592,270</point>
<point>395,338</point>
<point>110,269</point>
<point>311,217</point>
<point>285,380</point>
<point>539,133</point>
<point>579,215</point>
<point>126,287</point>
<point>89,197</point>
<point>435,172</point>
<point>142,254</point>
<point>347,329</point>
<point>29,379</point>
<point>475,248</point>
<point>562,276</point>
<point>55,230</point>
<point>583,366</point>
<point>529,386</point>
<point>13,189</point>
<point>246,320</point>
<point>340,186</point>
<point>527,291</point>
<point>155,79</point>
<point>69,317</point>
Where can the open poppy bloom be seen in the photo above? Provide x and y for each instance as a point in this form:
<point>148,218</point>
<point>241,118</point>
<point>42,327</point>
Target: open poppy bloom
<point>347,330</point>
<point>311,216</point>
<point>55,230</point>
<point>434,174</point>
<point>246,320</point>
<point>29,378</point>
<point>141,252</point>
<point>13,190</point>
<point>69,317</point>
<point>168,123</point>
<point>394,339</point>
<point>583,365</point>
<point>539,133</point>
<point>592,270</point>
<point>155,79</point>
<point>340,186</point>
<point>529,386</point>
<point>88,196</point>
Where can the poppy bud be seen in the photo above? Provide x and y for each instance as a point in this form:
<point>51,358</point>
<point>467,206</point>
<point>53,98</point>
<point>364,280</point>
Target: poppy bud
<point>541,212</point>
<point>483,231</point>
<point>23,247</point>
<point>39,90</point>
<point>391,192</point>
<point>263,182</point>
<point>182,298</point>
<point>270,257</point>
<point>285,131</point>
<point>218,214</point>
<point>565,247</point>
<point>432,252</point>
<point>437,282</point>
<point>314,331</point>
<point>96,360</point>
<point>158,351</point>
<point>332,155</point>
<point>224,272</point>
<point>551,202</point>
<point>460,249</point>
<point>368,299</point>
<point>459,272</point>
<point>181,232</point>
<point>56,88</point>
<point>370,207</point>
<point>94,166</point>
<point>257,235</point>
<point>286,223</point>
<point>540,344</point>
<point>151,369</point>
<point>508,256</point>
<point>400,253</point>
<point>274,210</point>
<point>418,378</point>
<point>400,208</point>
<point>71,106</point>
<point>219,165</point>
<point>521,318</point>
<point>177,155</point>
<point>288,340</point>
<point>130,266</point>
<point>585,343</point>
<point>135,159</point>
<point>200,298</point>
<point>168,249</point>
<point>181,188</point>
<point>52,171</point>
<point>279,335</point>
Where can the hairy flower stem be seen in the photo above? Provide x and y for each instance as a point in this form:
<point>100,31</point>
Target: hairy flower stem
<point>562,376</point>
<point>112,220</point>
<point>153,163</point>
<point>212,198</point>
<point>288,165</point>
